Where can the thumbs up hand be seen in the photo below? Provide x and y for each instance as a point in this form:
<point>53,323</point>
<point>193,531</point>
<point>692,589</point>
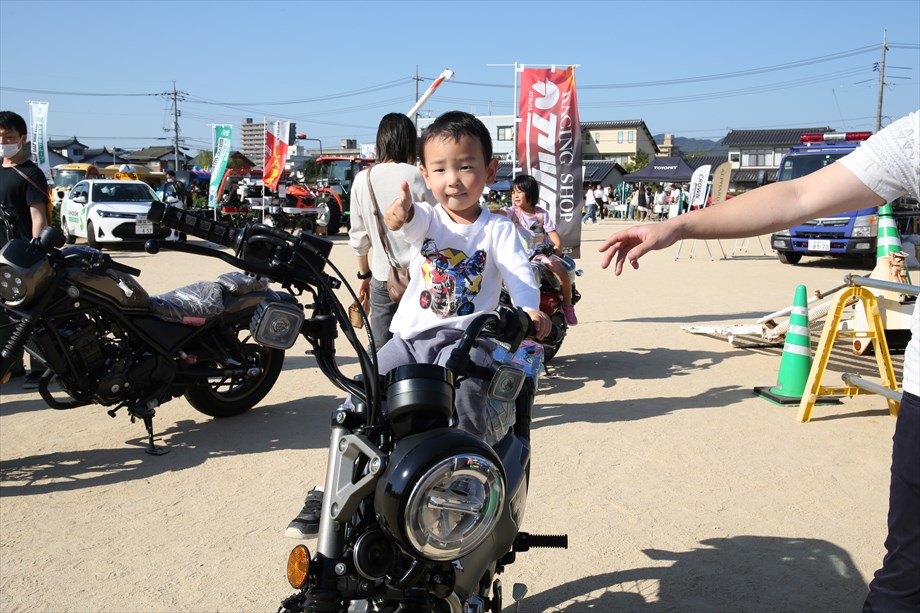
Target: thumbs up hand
<point>400,210</point>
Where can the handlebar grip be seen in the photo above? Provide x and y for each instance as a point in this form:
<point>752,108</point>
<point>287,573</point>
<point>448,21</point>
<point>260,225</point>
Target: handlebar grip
<point>207,229</point>
<point>553,335</point>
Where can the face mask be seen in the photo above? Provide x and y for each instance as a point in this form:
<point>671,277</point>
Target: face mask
<point>9,151</point>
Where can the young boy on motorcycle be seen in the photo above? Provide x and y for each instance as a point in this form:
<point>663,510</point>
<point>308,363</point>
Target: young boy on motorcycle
<point>461,256</point>
<point>536,227</point>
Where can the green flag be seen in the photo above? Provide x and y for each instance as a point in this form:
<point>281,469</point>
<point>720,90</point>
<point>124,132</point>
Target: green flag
<point>222,138</point>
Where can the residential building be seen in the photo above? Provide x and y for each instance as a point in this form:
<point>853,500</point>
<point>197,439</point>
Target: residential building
<point>102,157</point>
<point>159,159</point>
<point>755,154</point>
<point>617,141</point>
<point>70,148</point>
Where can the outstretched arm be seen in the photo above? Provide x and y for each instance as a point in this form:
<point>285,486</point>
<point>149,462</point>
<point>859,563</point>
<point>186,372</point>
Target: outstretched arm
<point>778,206</point>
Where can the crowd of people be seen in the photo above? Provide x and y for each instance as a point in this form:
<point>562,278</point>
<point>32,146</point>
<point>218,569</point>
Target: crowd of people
<point>634,201</point>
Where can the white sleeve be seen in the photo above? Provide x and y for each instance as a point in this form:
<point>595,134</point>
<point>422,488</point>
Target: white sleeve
<point>515,268</point>
<point>358,239</point>
<point>889,162</point>
<point>414,230</point>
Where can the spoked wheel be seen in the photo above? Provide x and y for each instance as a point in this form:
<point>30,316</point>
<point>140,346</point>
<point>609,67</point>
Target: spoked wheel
<point>551,349</point>
<point>236,393</point>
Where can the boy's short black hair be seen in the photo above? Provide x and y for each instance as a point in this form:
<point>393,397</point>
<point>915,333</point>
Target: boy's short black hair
<point>529,186</point>
<point>454,125</point>
<point>12,121</point>
<point>170,173</point>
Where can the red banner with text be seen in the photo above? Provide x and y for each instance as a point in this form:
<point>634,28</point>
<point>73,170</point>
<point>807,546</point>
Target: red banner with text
<point>549,147</point>
<point>276,152</point>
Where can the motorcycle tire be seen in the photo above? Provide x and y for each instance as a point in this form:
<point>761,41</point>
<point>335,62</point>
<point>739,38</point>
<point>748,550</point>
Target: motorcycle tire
<point>334,224</point>
<point>235,395</point>
<point>551,349</point>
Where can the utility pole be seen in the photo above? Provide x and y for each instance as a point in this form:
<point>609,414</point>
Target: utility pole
<point>881,82</point>
<point>175,97</point>
<point>417,81</point>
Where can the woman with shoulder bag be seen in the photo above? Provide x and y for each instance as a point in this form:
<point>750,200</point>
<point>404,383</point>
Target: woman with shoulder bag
<point>397,151</point>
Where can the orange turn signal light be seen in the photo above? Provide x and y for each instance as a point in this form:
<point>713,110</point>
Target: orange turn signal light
<point>298,566</point>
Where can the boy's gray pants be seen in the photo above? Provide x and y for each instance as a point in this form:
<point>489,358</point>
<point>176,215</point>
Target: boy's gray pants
<point>434,347</point>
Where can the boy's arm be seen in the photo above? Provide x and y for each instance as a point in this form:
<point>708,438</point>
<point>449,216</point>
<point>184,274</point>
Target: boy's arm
<point>515,269</point>
<point>519,278</point>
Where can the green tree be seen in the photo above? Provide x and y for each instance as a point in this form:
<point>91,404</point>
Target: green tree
<point>204,159</point>
<point>637,162</point>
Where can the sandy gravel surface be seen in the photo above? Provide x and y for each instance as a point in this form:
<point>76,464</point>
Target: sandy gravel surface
<point>678,488</point>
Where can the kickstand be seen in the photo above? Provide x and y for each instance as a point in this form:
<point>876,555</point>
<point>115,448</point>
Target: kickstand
<point>153,449</point>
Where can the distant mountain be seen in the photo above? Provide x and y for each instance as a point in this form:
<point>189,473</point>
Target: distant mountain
<point>696,145</point>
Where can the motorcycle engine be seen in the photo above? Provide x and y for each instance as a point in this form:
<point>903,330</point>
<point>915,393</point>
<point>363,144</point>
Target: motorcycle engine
<point>106,367</point>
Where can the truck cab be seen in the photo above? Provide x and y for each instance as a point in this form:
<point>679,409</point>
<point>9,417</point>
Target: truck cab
<point>851,234</point>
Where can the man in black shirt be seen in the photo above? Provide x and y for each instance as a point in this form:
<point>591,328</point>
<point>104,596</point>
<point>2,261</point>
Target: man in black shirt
<point>23,196</point>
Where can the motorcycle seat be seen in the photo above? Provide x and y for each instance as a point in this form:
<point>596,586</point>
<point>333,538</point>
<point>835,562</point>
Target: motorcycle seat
<point>198,302</point>
<point>193,304</point>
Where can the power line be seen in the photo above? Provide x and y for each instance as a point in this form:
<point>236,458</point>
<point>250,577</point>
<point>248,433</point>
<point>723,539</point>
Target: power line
<point>60,93</point>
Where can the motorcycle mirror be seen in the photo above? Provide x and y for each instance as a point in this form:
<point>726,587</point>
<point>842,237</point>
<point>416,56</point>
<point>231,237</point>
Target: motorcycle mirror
<point>518,591</point>
<point>51,237</point>
<point>152,247</point>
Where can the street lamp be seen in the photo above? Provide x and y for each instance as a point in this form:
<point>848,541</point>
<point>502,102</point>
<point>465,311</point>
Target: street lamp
<point>304,137</point>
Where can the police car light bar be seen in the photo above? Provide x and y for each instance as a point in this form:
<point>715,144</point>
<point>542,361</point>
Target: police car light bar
<point>835,136</point>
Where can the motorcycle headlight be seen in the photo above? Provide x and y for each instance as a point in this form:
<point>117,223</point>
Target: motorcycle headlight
<point>454,506</point>
<point>12,289</point>
<point>276,324</point>
<point>24,272</point>
<point>441,495</point>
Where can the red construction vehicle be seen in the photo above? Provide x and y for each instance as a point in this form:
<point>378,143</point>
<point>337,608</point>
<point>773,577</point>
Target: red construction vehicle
<point>333,189</point>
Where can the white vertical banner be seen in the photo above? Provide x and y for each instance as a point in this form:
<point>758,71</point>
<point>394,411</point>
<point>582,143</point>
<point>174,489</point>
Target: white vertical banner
<point>38,115</point>
<point>698,185</point>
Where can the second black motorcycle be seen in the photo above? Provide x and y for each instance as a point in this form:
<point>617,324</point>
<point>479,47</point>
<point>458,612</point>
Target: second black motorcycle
<point>105,341</point>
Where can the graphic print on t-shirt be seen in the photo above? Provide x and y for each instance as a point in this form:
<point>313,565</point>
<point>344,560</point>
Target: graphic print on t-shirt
<point>452,279</point>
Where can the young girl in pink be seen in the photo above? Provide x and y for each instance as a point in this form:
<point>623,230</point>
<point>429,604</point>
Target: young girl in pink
<point>536,227</point>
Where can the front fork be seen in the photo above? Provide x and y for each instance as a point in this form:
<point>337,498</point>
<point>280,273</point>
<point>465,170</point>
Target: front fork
<point>344,489</point>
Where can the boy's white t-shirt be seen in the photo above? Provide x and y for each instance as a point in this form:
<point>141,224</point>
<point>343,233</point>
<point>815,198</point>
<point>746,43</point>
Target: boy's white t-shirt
<point>457,270</point>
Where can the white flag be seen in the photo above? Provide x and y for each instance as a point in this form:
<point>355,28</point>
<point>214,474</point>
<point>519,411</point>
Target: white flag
<point>38,112</point>
<point>698,186</point>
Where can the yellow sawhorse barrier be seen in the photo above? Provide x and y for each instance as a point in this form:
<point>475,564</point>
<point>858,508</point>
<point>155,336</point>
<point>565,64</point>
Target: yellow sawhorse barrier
<point>857,292</point>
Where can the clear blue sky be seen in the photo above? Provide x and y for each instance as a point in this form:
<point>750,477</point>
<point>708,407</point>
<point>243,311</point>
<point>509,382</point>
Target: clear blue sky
<point>336,67</point>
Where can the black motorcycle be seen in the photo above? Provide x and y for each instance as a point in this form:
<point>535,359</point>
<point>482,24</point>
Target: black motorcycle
<point>105,341</point>
<point>416,515</point>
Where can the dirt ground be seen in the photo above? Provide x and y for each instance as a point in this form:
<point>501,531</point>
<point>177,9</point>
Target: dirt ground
<point>679,489</point>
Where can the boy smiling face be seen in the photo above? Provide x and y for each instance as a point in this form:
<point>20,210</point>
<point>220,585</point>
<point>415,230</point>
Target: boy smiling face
<point>456,172</point>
